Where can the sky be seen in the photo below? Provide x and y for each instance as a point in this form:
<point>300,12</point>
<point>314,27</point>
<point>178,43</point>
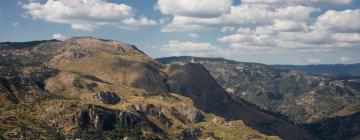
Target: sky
<point>265,31</point>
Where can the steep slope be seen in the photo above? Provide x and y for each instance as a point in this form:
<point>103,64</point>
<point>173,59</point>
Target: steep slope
<point>345,127</point>
<point>195,82</point>
<point>90,88</point>
<point>303,98</point>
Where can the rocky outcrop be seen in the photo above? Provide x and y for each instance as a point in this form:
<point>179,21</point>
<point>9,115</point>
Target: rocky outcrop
<point>107,97</point>
<point>188,134</point>
<point>186,114</point>
<point>92,118</point>
<point>17,87</point>
<point>107,119</point>
<point>152,110</point>
<point>98,118</point>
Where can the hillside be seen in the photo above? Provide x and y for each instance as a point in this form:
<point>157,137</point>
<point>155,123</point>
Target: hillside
<point>92,88</point>
<point>303,98</point>
<point>344,127</point>
<point>326,70</point>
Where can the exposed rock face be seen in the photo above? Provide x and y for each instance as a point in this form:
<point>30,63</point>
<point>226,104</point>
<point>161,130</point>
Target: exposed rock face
<point>95,118</point>
<point>187,115</point>
<point>89,118</point>
<point>301,97</point>
<point>212,98</point>
<point>150,109</point>
<point>16,87</point>
<point>85,66</point>
<point>107,97</point>
<point>106,119</point>
<point>189,134</point>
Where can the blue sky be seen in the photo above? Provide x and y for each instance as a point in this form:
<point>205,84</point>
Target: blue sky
<point>265,31</point>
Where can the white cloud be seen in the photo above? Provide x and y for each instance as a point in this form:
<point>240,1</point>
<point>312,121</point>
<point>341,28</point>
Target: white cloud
<point>339,21</point>
<point>289,25</point>
<point>345,60</point>
<point>141,21</point>
<point>271,24</point>
<point>228,29</point>
<point>178,48</point>
<point>347,37</point>
<point>313,61</point>
<point>16,24</point>
<point>245,47</point>
<point>326,34</point>
<point>308,2</point>
<point>193,35</point>
<point>241,15</point>
<point>86,14</point>
<point>194,8</point>
<point>58,36</point>
<point>312,37</point>
<point>249,39</point>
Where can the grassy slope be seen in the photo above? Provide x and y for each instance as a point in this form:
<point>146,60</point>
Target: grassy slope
<point>109,71</point>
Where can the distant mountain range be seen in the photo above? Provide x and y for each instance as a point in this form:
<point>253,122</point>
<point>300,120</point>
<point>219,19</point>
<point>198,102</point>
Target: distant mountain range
<point>88,88</point>
<point>326,70</point>
<point>302,98</point>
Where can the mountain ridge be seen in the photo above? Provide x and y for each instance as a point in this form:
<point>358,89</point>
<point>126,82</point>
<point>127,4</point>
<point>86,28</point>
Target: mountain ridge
<point>86,75</point>
<point>226,72</point>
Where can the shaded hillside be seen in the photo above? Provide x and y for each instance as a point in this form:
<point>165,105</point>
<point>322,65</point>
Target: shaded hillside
<point>195,82</point>
<point>101,89</point>
<point>338,128</point>
<point>303,98</point>
<point>327,70</point>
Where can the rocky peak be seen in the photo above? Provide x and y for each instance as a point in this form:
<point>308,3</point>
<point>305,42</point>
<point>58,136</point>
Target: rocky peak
<point>90,43</point>
<point>107,97</point>
<point>83,47</point>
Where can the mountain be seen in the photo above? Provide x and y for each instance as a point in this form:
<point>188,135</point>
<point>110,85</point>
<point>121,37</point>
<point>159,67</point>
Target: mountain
<point>302,98</point>
<point>88,88</point>
<point>344,127</point>
<point>326,70</point>
<point>349,73</point>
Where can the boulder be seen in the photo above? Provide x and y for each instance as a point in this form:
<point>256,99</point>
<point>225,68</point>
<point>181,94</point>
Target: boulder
<point>187,114</point>
<point>107,97</point>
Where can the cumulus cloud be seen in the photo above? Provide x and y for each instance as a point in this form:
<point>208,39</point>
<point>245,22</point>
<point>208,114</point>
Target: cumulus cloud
<point>268,24</point>
<point>193,35</point>
<point>86,14</point>
<point>202,49</point>
<point>178,48</point>
<point>16,24</point>
<point>326,34</point>
<point>240,15</point>
<point>228,29</point>
<point>339,21</point>
<point>347,37</point>
<point>313,61</point>
<point>58,36</point>
<point>345,60</point>
<point>194,8</point>
<point>289,25</point>
<point>309,2</point>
